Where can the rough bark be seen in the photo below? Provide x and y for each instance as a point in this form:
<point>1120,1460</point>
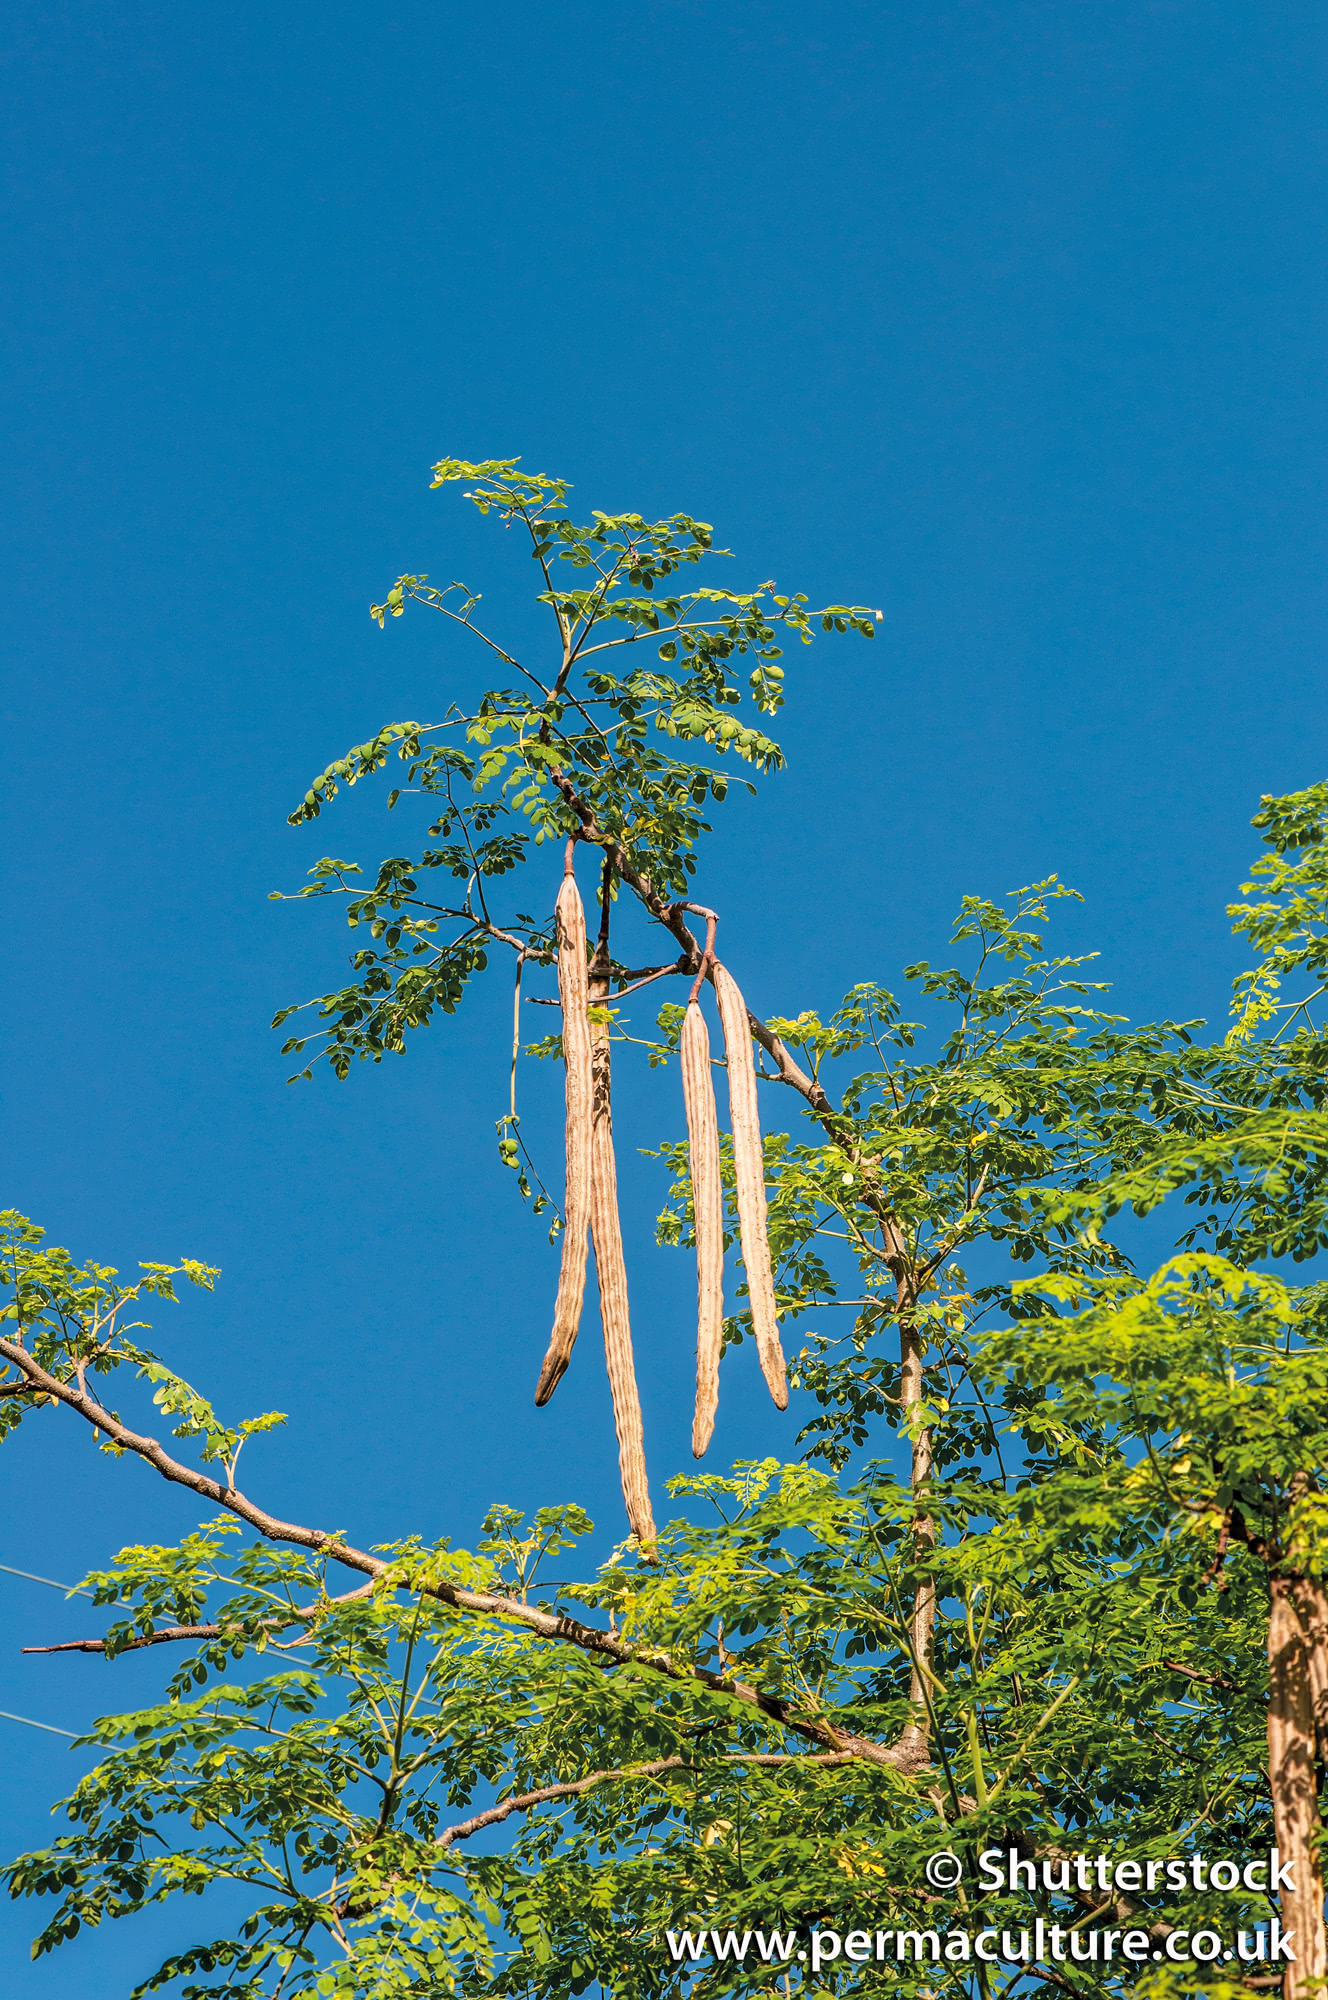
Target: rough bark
<point>1297,1719</point>
<point>922,1623</point>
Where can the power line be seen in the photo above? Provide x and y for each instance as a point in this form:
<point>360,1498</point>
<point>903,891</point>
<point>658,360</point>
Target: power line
<point>70,1590</point>
<point>50,1728</point>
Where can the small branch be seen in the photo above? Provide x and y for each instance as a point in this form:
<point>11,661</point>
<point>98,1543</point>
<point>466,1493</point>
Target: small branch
<point>516,1032</point>
<point>708,957</point>
<point>526,1801</point>
<point>649,978</point>
<point>646,977</point>
<point>1055,1978</point>
<point>1192,1674</point>
<point>172,1634</point>
<point>938,1257</point>
<point>1216,1571</point>
<point>161,1637</point>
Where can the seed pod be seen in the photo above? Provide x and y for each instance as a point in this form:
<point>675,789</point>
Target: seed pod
<point>611,1271</point>
<point>749,1182</point>
<point>573,991</point>
<point>698,1091</point>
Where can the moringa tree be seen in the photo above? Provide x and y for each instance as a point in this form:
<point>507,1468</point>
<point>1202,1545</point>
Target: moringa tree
<point>1048,1533</point>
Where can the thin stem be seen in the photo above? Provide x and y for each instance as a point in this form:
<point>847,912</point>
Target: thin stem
<point>516,1032</point>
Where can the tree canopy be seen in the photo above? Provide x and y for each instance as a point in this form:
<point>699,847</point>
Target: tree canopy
<point>1045,1577</point>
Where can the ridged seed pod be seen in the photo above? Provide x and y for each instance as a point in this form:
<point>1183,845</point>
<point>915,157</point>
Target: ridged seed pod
<point>611,1272</point>
<point>573,991</point>
<point>749,1182</point>
<point>698,1092</point>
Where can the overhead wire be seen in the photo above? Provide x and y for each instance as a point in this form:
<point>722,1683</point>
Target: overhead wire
<point>70,1590</point>
<point>49,1727</point>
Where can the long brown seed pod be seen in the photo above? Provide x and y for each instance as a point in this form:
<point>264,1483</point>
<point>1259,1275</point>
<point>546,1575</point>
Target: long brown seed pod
<point>573,991</point>
<point>611,1271</point>
<point>698,1091</point>
<point>749,1182</point>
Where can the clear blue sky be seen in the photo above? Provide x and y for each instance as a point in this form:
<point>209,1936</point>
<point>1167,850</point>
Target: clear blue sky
<point>1008,319</point>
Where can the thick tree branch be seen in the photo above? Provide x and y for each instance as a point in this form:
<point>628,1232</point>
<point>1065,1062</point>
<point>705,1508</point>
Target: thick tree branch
<point>555,1625</point>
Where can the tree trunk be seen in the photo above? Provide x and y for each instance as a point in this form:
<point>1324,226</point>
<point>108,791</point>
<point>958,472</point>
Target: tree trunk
<point>912,1388</point>
<point>1297,1693</point>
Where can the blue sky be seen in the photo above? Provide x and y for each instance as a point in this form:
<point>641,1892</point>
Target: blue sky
<point>1008,319</point>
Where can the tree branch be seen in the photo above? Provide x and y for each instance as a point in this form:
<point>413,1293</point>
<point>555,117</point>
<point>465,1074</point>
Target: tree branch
<point>906,1755</point>
<point>1192,1674</point>
<point>526,1801</point>
<point>160,1637</point>
<point>168,1634</point>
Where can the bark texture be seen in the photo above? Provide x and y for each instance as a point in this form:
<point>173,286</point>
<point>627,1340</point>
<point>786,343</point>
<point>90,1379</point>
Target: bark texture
<point>922,1624</point>
<point>1297,1724</point>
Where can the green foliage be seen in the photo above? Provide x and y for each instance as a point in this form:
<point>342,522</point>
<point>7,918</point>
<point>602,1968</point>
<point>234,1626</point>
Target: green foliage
<point>509,1771</point>
<point>1289,928</point>
<point>1091,1686</point>
<point>71,1320</point>
<point>588,722</point>
<point>1219,1373</point>
<point>332,1792</point>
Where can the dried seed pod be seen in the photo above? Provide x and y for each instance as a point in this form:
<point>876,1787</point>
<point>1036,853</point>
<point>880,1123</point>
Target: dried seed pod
<point>749,1182</point>
<point>698,1091</point>
<point>573,991</point>
<point>611,1272</point>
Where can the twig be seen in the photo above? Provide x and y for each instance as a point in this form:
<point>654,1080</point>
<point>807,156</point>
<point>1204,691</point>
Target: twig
<point>526,1801</point>
<point>168,1634</point>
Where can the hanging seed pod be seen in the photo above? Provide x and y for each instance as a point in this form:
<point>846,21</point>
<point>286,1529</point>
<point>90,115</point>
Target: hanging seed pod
<point>698,1091</point>
<point>573,991</point>
<point>611,1272</point>
<point>749,1182</point>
